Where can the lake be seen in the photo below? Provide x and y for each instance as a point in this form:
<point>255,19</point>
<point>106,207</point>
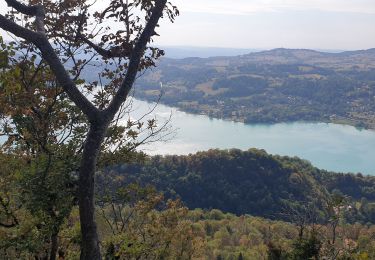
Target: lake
<point>332,147</point>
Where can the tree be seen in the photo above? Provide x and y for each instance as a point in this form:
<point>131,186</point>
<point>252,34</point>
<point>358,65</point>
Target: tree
<point>64,30</point>
<point>43,134</point>
<point>306,248</point>
<point>336,205</point>
<point>143,225</point>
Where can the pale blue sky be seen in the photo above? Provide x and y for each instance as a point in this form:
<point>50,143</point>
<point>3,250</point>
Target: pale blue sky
<point>315,24</point>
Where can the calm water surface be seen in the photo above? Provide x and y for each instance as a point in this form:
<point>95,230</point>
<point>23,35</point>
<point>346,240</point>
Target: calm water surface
<point>328,146</point>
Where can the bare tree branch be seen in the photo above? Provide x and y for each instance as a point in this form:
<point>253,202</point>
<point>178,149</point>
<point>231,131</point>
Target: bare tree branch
<point>115,52</point>
<point>135,59</point>
<point>19,31</point>
<point>35,10</point>
<point>22,8</point>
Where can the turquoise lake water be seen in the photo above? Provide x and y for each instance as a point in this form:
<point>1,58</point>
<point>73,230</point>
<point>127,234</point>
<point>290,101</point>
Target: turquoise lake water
<point>332,147</point>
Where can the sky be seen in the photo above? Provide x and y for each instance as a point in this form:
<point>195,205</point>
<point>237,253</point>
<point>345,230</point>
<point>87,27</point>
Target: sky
<point>266,24</point>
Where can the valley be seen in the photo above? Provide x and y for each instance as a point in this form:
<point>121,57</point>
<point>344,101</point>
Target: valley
<point>280,85</point>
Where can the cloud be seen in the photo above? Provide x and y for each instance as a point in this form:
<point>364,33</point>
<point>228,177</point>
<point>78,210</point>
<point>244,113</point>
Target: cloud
<point>246,7</point>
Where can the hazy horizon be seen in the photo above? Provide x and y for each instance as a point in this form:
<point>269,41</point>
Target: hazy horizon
<point>261,48</point>
<point>180,52</point>
<point>258,24</point>
<point>310,24</point>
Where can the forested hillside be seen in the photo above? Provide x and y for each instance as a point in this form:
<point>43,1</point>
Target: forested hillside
<point>251,182</point>
<point>75,183</point>
<point>281,85</point>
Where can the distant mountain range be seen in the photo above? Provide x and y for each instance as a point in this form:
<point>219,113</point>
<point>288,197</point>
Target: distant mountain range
<point>181,52</point>
<point>365,58</point>
<point>280,85</point>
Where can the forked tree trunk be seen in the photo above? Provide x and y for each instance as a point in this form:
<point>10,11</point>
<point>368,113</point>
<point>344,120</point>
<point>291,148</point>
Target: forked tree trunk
<point>90,248</point>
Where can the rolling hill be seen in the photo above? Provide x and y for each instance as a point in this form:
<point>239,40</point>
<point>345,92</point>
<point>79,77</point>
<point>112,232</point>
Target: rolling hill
<point>280,85</point>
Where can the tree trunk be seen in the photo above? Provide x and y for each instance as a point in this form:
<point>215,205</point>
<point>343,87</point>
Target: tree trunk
<point>54,246</point>
<point>90,249</point>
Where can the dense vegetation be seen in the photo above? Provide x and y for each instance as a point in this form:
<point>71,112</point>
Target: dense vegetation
<point>159,229</point>
<point>328,214</point>
<point>251,182</point>
<point>226,236</point>
<point>269,87</point>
